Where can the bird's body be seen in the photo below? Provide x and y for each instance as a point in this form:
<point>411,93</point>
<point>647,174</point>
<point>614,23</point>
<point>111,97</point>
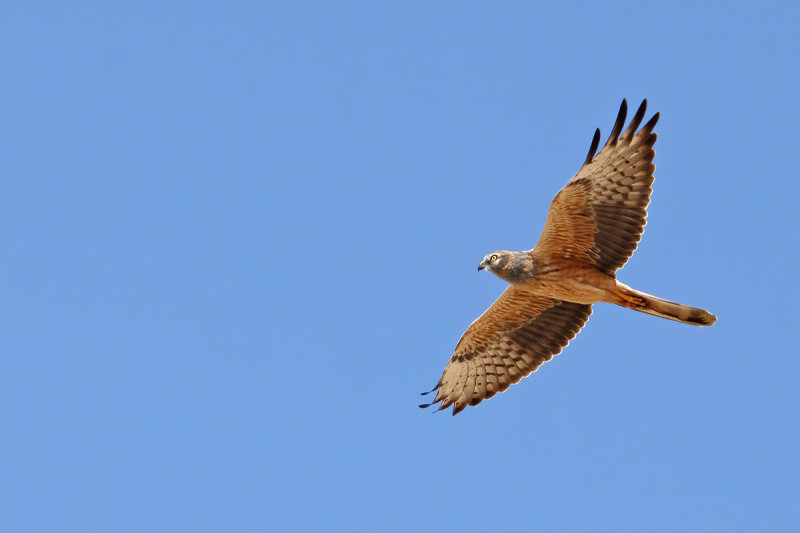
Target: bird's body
<point>562,280</point>
<point>594,224</point>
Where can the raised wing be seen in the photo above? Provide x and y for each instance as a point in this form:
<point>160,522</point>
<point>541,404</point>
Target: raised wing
<point>518,333</point>
<point>599,216</point>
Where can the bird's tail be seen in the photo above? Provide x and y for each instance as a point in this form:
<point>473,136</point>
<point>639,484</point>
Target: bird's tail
<point>652,305</point>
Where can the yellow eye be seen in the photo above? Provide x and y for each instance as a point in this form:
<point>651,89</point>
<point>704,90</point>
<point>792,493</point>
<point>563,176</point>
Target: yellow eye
<point>493,258</point>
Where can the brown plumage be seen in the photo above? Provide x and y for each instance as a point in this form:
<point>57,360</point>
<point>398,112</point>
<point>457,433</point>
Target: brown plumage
<point>594,224</point>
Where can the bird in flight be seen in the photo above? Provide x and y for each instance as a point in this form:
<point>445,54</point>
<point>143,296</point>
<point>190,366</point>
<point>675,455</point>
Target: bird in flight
<point>594,224</point>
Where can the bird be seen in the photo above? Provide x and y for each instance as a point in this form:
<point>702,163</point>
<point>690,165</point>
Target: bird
<point>594,224</point>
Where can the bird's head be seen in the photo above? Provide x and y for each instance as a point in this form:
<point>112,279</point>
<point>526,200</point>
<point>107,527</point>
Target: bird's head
<point>495,261</point>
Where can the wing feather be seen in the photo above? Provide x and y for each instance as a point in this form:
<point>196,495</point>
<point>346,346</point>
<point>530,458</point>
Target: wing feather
<point>518,333</point>
<point>612,138</point>
<point>593,146</point>
<point>599,216</point>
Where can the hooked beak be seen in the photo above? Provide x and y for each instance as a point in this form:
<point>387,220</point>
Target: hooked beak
<point>482,266</point>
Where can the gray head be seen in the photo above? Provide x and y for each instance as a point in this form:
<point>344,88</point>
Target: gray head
<point>495,261</point>
<point>504,264</point>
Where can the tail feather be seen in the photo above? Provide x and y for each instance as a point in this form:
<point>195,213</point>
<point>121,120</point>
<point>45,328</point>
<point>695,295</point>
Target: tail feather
<point>655,306</point>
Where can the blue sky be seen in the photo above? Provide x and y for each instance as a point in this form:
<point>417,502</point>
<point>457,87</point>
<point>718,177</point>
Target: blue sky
<point>238,239</point>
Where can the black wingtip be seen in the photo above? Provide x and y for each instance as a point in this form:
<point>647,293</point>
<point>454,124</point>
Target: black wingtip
<point>593,147</point>
<point>635,121</point>
<point>425,405</point>
<point>430,391</point>
<point>623,112</point>
<point>651,123</point>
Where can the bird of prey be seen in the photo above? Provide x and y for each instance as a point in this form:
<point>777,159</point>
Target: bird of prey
<point>594,224</point>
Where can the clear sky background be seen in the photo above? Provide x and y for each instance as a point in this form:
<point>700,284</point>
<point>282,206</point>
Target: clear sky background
<point>239,238</point>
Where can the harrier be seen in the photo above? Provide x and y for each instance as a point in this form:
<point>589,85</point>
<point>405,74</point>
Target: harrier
<point>594,224</point>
